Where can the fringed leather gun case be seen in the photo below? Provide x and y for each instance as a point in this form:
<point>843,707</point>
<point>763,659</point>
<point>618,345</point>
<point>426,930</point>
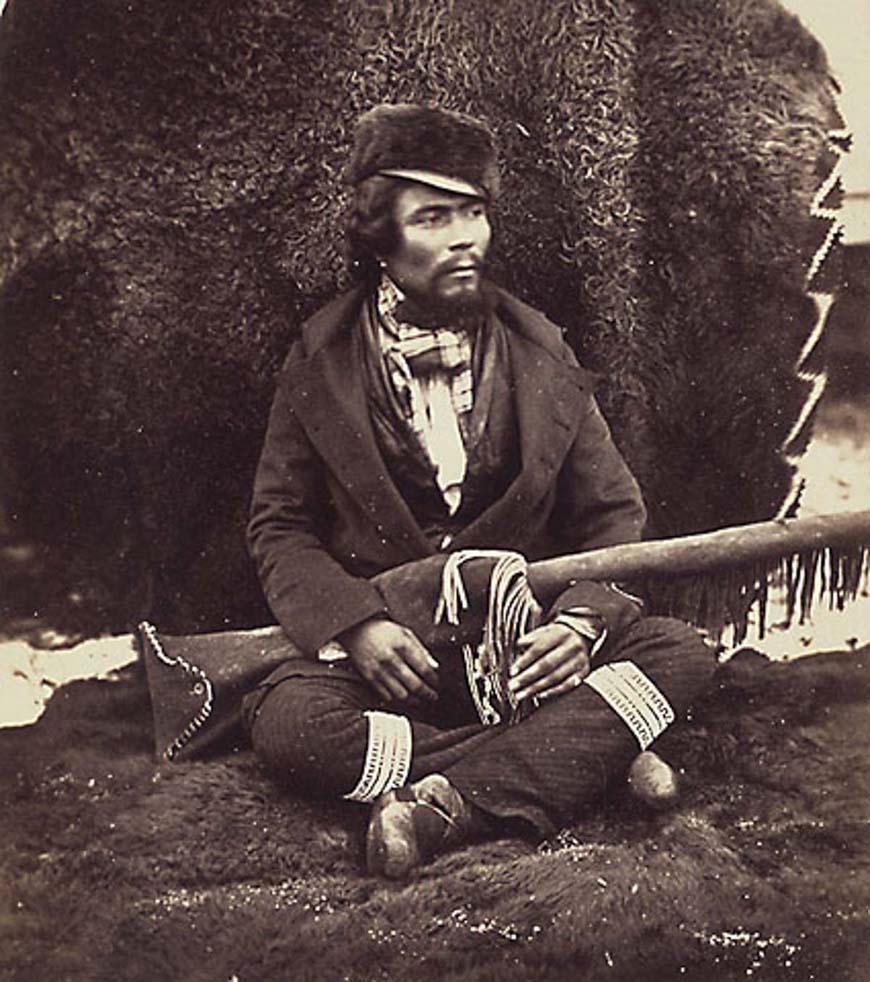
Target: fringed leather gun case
<point>481,602</point>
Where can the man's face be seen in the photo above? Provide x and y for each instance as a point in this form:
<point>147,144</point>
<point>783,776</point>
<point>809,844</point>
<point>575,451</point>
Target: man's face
<point>443,239</point>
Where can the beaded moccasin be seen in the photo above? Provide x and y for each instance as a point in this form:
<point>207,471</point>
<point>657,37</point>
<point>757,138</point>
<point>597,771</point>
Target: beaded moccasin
<point>409,825</point>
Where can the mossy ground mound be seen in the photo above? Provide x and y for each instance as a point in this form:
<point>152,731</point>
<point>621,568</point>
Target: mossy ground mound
<point>114,867</point>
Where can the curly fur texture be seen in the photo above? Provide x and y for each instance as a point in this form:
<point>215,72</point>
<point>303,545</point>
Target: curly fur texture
<point>116,868</point>
<point>173,206</point>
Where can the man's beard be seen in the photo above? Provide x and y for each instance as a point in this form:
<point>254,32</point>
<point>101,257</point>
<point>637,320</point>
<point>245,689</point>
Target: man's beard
<point>434,310</point>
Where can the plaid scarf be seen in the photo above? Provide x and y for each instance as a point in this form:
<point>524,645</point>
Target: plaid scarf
<point>427,379</point>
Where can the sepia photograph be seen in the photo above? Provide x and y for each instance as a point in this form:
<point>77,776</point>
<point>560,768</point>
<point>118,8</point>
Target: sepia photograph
<point>434,490</point>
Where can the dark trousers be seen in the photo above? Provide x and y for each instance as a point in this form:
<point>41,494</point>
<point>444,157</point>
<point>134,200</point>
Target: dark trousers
<point>307,724</point>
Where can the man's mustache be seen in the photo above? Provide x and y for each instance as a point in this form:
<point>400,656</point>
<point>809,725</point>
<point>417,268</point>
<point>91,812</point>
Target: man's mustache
<point>468,262</point>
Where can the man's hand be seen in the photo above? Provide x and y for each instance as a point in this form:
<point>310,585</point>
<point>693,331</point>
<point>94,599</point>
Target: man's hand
<point>392,660</point>
<point>553,659</point>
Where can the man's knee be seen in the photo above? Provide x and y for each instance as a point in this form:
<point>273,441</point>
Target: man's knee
<point>673,653</point>
<point>669,630</point>
<point>309,734</point>
<point>668,637</point>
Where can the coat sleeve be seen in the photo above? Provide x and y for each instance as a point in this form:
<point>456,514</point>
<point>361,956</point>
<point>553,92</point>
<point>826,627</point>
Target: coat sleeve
<point>598,504</point>
<point>313,597</point>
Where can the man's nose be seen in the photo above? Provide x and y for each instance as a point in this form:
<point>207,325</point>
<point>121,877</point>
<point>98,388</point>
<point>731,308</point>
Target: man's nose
<point>461,236</point>
<point>466,233</point>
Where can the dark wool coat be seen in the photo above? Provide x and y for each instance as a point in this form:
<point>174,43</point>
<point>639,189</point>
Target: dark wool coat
<point>326,514</point>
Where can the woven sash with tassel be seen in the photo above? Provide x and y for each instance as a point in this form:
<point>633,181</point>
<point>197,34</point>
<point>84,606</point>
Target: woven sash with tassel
<point>511,612</point>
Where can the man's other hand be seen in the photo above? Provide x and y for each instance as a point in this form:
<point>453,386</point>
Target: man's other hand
<point>392,659</point>
<point>553,659</point>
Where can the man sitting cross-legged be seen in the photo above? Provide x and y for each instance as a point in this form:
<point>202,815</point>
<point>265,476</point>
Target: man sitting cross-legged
<point>425,411</point>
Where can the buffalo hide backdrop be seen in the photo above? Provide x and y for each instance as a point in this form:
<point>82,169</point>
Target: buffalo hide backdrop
<point>172,209</point>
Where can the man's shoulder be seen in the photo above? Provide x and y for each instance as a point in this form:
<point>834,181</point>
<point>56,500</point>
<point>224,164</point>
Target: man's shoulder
<point>322,326</point>
<point>531,324</point>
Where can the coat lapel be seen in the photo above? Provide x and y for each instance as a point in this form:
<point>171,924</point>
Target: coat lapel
<point>330,402</point>
<point>546,392</point>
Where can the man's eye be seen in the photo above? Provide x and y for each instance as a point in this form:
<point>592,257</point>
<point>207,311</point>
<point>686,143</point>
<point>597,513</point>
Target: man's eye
<point>477,211</point>
<point>430,219</point>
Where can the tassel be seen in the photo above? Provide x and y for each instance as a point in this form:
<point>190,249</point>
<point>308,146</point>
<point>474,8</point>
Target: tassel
<point>453,598</point>
<point>512,611</point>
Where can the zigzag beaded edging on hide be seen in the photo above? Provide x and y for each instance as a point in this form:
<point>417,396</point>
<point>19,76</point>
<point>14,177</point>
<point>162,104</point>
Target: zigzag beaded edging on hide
<point>823,301</point>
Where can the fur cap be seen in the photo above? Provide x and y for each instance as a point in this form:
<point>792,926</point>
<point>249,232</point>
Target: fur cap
<point>434,146</point>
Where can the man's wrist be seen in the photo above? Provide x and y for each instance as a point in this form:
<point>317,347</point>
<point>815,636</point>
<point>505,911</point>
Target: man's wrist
<point>337,649</point>
<point>586,623</point>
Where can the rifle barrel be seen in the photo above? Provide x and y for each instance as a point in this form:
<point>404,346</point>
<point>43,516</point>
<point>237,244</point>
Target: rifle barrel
<point>704,552</point>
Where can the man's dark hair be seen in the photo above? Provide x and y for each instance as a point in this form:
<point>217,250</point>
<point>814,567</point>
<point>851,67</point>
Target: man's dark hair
<point>371,227</point>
